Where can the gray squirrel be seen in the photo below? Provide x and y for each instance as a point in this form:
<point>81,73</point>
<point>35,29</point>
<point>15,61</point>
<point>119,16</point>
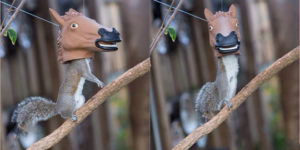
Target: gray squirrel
<point>213,95</point>
<point>34,109</point>
<point>78,39</point>
<point>225,40</point>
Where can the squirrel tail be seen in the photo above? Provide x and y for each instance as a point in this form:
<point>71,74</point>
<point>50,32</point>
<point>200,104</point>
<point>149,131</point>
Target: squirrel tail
<point>32,110</point>
<point>203,140</point>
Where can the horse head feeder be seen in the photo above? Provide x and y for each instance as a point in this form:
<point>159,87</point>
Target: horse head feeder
<point>224,35</point>
<point>80,36</point>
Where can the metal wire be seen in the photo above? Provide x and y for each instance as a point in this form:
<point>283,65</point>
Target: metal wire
<point>38,17</point>
<point>222,5</point>
<point>83,7</point>
<point>182,11</point>
<point>33,15</point>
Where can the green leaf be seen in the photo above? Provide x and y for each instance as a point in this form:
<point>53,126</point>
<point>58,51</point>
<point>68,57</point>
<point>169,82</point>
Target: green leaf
<point>12,34</point>
<point>172,34</point>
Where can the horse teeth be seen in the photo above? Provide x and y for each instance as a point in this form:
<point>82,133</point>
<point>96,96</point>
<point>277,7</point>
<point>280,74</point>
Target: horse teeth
<point>229,48</point>
<point>108,45</point>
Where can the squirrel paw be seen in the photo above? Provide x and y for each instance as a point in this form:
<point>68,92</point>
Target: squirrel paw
<point>219,106</point>
<point>228,104</point>
<point>74,118</point>
<point>100,84</point>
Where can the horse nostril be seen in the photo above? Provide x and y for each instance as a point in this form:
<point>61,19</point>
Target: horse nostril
<point>232,33</point>
<point>109,36</point>
<point>101,31</point>
<point>219,37</point>
<point>228,40</point>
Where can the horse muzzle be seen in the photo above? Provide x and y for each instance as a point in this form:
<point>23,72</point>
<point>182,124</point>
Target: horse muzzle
<point>108,39</point>
<point>227,44</point>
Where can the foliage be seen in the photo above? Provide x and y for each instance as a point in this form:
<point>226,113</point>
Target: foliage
<point>12,34</point>
<point>278,137</point>
<point>122,117</point>
<point>172,33</point>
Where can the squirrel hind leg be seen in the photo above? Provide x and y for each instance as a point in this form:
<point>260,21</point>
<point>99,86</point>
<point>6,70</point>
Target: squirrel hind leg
<point>74,118</point>
<point>226,102</point>
<point>207,98</point>
<point>219,106</point>
<point>79,100</point>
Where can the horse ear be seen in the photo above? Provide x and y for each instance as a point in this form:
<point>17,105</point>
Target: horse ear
<point>207,13</point>
<point>232,10</point>
<point>56,17</point>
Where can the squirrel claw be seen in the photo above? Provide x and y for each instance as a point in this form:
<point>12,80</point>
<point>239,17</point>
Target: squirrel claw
<point>219,107</point>
<point>74,118</point>
<point>100,84</point>
<point>228,104</point>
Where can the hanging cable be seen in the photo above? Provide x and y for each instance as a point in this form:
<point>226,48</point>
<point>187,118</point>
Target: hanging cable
<point>38,17</point>
<point>182,11</point>
<point>33,15</point>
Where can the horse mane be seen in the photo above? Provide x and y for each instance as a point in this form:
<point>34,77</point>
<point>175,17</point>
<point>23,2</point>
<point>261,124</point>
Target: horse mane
<point>220,14</point>
<point>71,13</point>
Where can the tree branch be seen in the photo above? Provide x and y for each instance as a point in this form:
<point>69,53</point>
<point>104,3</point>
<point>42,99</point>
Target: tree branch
<point>12,17</point>
<point>8,11</point>
<point>1,33</point>
<point>130,75</point>
<point>162,25</point>
<point>160,33</point>
<point>237,100</point>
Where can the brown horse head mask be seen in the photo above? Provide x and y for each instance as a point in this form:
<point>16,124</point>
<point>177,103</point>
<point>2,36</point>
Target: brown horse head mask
<point>224,35</point>
<point>80,37</point>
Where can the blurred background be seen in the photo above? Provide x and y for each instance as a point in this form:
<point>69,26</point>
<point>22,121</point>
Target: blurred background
<point>30,68</point>
<point>268,120</point>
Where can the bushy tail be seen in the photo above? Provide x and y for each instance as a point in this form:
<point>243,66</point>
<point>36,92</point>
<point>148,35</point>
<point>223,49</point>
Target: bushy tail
<point>203,140</point>
<point>32,110</point>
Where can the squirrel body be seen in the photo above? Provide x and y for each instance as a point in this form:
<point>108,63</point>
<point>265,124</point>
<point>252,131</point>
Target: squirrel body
<point>213,95</point>
<point>70,95</point>
<point>79,38</point>
<point>70,98</point>
<point>224,39</point>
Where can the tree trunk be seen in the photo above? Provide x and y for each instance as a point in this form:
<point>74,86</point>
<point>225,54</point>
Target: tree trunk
<point>286,29</point>
<point>135,16</point>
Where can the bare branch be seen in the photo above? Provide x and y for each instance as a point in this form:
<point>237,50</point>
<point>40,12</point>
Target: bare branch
<point>163,22</point>
<point>12,17</point>
<point>8,11</point>
<point>160,33</point>
<point>237,100</point>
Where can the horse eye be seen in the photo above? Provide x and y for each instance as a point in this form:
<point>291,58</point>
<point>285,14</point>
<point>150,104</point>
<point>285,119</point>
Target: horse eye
<point>74,25</point>
<point>210,28</point>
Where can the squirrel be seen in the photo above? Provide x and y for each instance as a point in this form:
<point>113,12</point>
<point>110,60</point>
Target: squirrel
<point>213,95</point>
<point>34,109</point>
<point>78,39</point>
<point>225,40</point>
